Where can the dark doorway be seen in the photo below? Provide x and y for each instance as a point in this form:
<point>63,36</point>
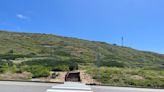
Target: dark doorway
<point>73,76</point>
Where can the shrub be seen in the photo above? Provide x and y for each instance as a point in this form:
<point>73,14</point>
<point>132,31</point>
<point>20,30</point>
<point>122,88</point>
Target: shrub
<point>8,67</point>
<point>113,63</point>
<point>54,64</point>
<point>4,67</point>
<point>128,77</point>
<point>37,71</point>
<point>60,68</point>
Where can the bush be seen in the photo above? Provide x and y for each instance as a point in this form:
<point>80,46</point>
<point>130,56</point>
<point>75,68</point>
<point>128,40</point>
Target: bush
<point>60,68</point>
<point>37,71</point>
<point>128,77</point>
<point>4,67</point>
<point>7,67</point>
<point>13,56</point>
<point>54,64</point>
<point>113,63</point>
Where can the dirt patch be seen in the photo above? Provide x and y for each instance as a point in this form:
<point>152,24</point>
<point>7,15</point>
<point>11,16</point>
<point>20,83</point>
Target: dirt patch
<point>59,78</point>
<point>15,76</point>
<point>137,77</point>
<point>86,78</point>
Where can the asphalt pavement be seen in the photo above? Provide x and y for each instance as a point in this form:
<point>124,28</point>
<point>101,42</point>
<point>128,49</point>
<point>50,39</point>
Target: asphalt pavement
<point>9,86</point>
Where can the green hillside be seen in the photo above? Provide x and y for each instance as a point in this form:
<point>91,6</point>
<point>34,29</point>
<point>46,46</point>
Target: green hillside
<point>82,51</point>
<point>42,55</point>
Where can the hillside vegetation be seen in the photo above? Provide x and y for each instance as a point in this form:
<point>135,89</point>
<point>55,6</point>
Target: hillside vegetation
<point>135,77</point>
<point>24,56</point>
<point>82,51</point>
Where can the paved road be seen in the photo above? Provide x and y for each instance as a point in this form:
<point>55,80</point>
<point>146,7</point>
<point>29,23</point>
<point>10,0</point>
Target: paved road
<point>8,86</point>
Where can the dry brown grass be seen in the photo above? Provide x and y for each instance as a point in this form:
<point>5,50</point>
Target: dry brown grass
<point>15,76</point>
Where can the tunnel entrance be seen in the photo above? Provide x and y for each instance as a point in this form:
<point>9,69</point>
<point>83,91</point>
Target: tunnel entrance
<point>73,76</point>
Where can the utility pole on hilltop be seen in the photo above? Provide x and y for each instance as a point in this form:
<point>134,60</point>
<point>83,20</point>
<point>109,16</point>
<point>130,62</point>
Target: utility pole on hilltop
<point>122,41</point>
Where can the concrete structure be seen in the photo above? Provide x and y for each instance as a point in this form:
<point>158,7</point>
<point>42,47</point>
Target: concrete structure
<point>70,87</point>
<point>73,76</point>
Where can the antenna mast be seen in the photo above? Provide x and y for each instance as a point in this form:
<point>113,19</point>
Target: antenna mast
<point>122,41</point>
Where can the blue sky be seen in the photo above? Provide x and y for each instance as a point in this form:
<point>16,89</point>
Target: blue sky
<point>141,22</point>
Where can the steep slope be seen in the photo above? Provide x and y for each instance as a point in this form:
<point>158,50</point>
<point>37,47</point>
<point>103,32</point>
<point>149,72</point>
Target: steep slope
<point>81,50</point>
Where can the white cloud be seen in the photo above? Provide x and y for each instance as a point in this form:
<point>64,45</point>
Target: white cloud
<point>21,16</point>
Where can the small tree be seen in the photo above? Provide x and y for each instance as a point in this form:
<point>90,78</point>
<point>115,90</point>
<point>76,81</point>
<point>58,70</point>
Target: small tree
<point>11,51</point>
<point>4,67</point>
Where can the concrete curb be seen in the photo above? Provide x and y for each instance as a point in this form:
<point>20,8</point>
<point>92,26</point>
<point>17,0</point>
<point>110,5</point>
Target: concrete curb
<point>33,81</point>
<point>122,86</point>
<point>86,84</point>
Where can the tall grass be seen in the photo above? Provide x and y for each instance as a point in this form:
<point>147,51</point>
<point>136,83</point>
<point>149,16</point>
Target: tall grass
<point>128,77</point>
